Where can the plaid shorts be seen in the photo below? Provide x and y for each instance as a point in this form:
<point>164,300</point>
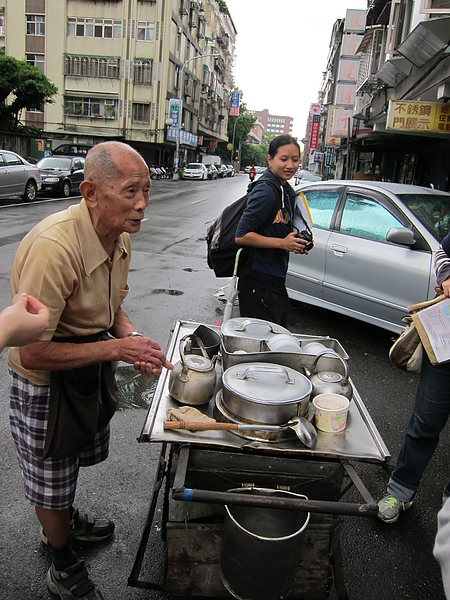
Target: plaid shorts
<point>49,483</point>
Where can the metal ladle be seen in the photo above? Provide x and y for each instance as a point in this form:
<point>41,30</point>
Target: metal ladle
<point>305,431</point>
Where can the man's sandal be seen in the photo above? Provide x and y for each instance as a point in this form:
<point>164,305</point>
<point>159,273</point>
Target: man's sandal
<point>73,583</point>
<point>87,528</point>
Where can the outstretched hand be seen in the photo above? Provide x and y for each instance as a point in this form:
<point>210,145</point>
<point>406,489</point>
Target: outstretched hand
<point>23,322</point>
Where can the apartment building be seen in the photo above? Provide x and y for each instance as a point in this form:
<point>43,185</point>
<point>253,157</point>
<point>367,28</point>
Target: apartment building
<point>277,124</point>
<point>386,95</point>
<point>118,63</point>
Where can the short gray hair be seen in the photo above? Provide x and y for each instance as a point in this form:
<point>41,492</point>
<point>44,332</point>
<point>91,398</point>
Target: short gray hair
<point>100,160</point>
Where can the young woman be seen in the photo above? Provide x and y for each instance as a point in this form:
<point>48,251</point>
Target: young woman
<point>267,227</point>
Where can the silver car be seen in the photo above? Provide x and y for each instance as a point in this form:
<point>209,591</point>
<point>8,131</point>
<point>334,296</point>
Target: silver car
<point>18,177</point>
<point>374,246</point>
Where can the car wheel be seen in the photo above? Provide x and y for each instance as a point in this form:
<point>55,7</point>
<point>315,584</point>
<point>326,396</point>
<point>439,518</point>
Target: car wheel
<point>66,189</point>
<point>30,191</point>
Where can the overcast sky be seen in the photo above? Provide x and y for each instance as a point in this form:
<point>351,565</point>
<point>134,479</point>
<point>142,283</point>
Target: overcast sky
<point>281,51</point>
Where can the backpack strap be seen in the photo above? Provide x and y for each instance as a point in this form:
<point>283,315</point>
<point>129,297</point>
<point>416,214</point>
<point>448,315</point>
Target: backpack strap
<point>278,193</point>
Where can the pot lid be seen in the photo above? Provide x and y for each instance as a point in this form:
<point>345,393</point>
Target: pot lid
<point>329,376</point>
<point>266,383</point>
<point>198,363</point>
<point>256,329</point>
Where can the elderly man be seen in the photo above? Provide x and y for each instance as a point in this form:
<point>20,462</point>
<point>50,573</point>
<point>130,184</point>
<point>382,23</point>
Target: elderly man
<point>76,263</point>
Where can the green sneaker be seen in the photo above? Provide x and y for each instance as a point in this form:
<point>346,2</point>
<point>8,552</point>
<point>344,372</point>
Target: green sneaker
<point>389,508</point>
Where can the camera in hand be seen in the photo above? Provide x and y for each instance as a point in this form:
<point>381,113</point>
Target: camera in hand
<point>306,235</point>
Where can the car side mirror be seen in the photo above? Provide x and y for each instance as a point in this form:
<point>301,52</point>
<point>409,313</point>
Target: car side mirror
<point>401,236</point>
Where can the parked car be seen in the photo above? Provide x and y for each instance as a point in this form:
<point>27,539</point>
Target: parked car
<point>195,171</point>
<point>230,171</point>
<point>374,246</point>
<point>18,177</point>
<point>212,172</point>
<point>303,176</point>
<point>222,171</point>
<point>69,149</point>
<point>61,174</point>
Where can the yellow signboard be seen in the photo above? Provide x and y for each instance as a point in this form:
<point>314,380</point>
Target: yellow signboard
<point>418,117</point>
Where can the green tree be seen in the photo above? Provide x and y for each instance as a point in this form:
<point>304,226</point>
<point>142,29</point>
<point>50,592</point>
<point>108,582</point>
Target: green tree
<point>28,87</point>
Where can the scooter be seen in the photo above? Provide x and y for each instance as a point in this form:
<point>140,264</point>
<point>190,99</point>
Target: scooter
<point>252,175</point>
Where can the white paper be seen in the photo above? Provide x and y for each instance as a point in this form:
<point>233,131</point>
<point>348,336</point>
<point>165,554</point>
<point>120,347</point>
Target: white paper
<point>436,322</point>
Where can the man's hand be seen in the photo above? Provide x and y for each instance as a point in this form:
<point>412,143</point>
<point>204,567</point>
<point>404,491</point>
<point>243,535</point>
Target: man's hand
<point>145,354</point>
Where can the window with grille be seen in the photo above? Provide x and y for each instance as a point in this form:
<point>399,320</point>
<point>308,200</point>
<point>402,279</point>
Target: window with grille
<point>37,60</point>
<point>142,71</point>
<point>140,113</point>
<point>92,66</point>
<point>99,28</point>
<point>145,31</point>
<point>435,7</point>
<point>35,25</point>
<point>78,106</point>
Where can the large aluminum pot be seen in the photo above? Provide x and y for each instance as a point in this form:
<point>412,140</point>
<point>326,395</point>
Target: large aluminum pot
<point>265,393</point>
<point>242,333</point>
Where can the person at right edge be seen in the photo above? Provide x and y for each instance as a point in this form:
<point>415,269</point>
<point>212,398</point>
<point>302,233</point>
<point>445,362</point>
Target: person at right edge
<point>262,290</point>
<point>429,416</point>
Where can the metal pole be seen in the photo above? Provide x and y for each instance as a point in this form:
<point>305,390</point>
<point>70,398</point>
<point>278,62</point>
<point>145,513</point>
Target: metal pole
<point>180,108</point>
<point>234,131</point>
<point>348,148</point>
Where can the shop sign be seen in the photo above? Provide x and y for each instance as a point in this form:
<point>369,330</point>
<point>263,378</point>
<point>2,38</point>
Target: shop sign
<point>317,157</point>
<point>345,93</point>
<point>331,140</point>
<point>330,156</point>
<point>315,109</point>
<point>186,137</point>
<point>314,137</point>
<point>418,117</point>
<point>341,119</point>
<point>174,111</point>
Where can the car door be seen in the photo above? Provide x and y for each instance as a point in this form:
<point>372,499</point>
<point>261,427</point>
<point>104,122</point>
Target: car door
<point>77,173</point>
<point>14,175</point>
<point>306,274</point>
<point>364,272</point>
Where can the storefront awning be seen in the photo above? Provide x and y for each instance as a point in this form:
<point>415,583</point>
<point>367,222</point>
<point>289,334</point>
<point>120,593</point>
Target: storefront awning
<point>394,71</point>
<point>425,41</point>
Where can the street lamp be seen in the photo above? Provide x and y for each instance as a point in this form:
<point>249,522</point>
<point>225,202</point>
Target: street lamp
<point>180,107</point>
<point>234,131</point>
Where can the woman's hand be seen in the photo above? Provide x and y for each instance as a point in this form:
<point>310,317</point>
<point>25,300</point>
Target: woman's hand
<point>295,244</point>
<point>23,322</point>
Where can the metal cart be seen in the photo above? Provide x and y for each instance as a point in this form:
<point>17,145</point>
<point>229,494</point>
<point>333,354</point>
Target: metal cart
<point>203,469</point>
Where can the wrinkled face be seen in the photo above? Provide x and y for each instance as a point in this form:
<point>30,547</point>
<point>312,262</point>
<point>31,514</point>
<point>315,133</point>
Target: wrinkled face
<point>285,163</point>
<point>121,201</point>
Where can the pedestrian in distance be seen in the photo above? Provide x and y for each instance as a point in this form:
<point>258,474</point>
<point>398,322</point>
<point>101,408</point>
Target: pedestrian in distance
<point>262,290</point>
<point>76,263</point>
<point>22,322</point>
<point>429,416</point>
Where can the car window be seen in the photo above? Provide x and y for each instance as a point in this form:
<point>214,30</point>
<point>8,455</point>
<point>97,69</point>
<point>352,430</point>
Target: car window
<point>366,218</point>
<point>322,204</point>
<point>433,210</point>
<point>78,164</point>
<point>12,159</point>
<point>55,162</point>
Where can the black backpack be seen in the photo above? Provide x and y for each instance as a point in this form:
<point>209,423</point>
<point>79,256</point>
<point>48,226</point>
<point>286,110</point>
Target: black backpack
<point>221,247</point>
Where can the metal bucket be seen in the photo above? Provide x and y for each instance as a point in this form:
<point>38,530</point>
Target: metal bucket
<point>261,547</point>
